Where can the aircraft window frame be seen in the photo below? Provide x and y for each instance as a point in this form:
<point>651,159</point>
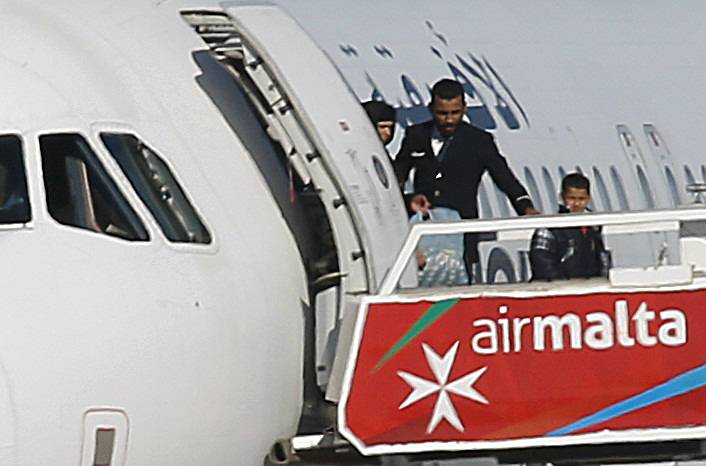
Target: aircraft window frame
<point>169,204</point>
<point>672,185</point>
<point>551,188</point>
<point>647,195</point>
<point>690,178</point>
<point>88,182</point>
<point>21,212</point>
<point>534,189</point>
<point>486,208</point>
<point>562,173</point>
<point>503,203</point>
<point>619,188</point>
<point>602,188</point>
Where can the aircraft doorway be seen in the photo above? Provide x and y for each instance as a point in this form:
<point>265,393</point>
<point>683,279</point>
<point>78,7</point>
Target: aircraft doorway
<point>317,151</point>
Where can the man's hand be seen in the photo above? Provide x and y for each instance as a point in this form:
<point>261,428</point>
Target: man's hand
<point>421,259</point>
<point>532,211</point>
<point>420,203</point>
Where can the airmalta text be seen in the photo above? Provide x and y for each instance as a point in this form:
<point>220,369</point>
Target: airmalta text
<point>595,330</point>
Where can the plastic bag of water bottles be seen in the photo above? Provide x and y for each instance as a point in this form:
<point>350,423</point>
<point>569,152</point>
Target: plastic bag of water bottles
<point>444,253</point>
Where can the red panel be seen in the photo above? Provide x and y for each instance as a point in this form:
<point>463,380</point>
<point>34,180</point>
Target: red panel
<point>530,392</point>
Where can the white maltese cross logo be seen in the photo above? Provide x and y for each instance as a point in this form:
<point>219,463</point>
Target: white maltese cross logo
<point>441,367</point>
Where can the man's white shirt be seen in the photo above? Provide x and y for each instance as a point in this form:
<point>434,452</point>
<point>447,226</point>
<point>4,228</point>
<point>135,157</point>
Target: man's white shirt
<point>437,141</point>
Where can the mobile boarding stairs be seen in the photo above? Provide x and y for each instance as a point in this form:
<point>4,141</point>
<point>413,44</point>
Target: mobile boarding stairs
<point>584,371</point>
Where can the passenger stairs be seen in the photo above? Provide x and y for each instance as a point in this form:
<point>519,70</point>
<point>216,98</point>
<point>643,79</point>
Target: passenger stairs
<point>584,371</point>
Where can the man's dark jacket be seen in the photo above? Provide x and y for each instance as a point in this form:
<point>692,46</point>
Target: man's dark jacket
<point>453,181</point>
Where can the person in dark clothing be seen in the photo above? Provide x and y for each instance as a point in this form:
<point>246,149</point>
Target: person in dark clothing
<point>383,117</point>
<point>450,157</point>
<point>576,252</point>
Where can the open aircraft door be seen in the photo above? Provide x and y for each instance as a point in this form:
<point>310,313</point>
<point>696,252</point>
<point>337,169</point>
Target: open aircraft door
<point>321,126</point>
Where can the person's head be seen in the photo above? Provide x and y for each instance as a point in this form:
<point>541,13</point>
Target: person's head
<point>383,117</point>
<point>575,192</point>
<point>447,105</point>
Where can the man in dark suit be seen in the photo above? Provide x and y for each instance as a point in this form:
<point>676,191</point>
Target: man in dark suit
<point>450,157</point>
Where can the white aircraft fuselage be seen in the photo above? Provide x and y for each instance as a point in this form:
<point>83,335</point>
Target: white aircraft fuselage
<point>192,353</point>
<point>199,347</point>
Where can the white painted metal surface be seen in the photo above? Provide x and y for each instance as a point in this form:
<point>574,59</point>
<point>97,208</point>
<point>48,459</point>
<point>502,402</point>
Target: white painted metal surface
<point>652,276</point>
<point>693,252</point>
<point>202,346</point>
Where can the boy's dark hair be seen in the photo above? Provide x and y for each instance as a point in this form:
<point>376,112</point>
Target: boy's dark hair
<point>577,181</point>
<point>446,89</point>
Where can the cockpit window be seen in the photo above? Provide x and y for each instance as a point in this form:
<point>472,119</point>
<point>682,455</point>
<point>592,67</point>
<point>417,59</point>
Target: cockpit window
<point>14,202</point>
<point>156,185</point>
<point>81,194</point>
